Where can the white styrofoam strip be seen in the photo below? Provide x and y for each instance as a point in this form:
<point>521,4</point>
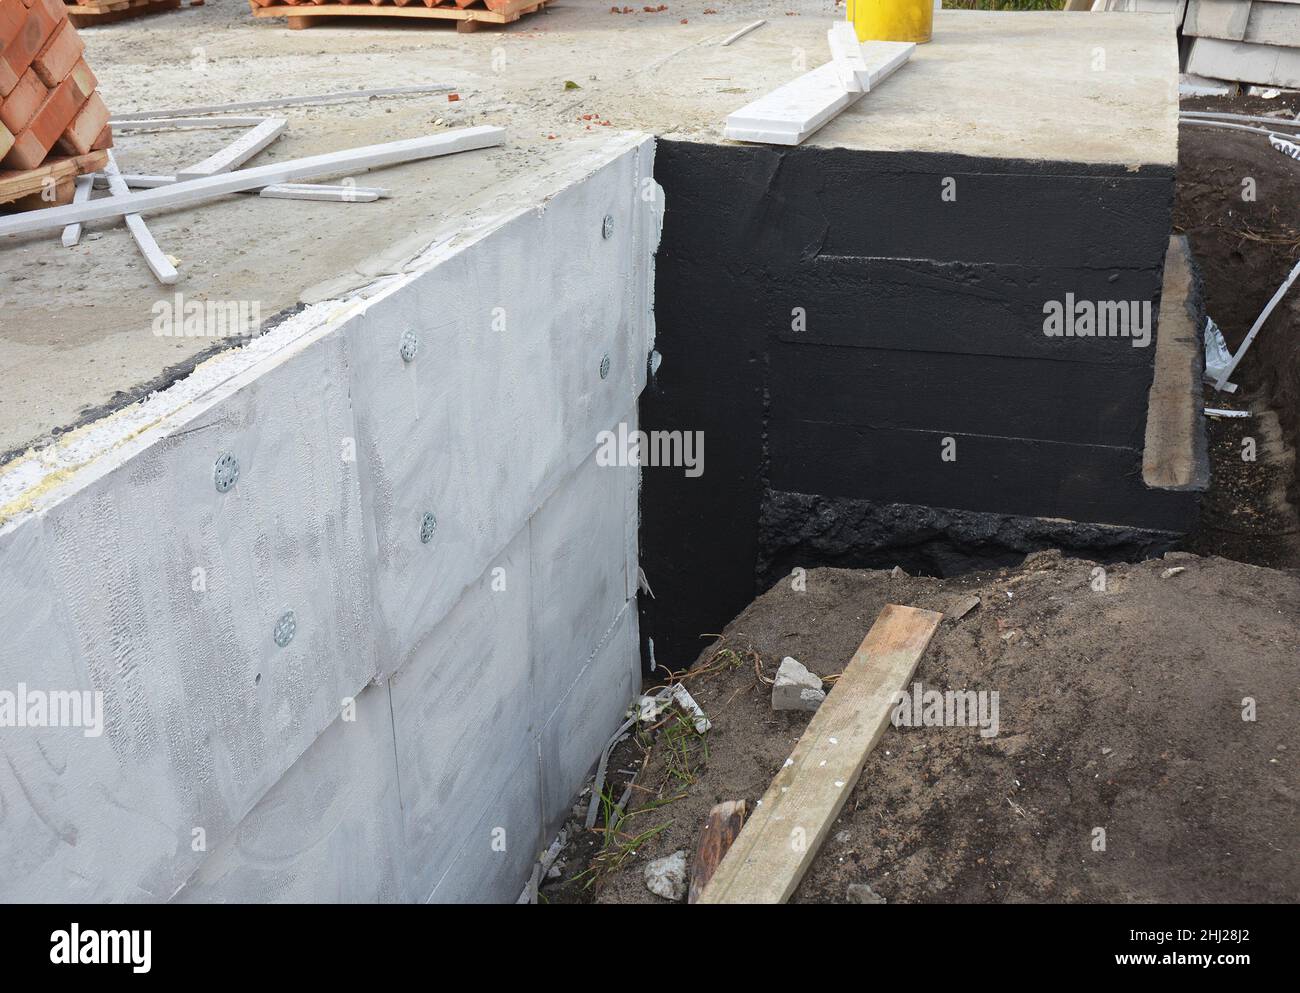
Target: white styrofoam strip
<point>792,112</point>
<point>846,55</point>
<point>337,192</point>
<point>81,193</point>
<point>331,194</point>
<point>184,194</point>
<point>238,151</point>
<point>884,58</point>
<point>298,101</point>
<point>176,123</point>
<point>159,264</point>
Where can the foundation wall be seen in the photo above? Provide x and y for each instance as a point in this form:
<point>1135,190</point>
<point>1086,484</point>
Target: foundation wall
<point>834,320</point>
<point>423,733</point>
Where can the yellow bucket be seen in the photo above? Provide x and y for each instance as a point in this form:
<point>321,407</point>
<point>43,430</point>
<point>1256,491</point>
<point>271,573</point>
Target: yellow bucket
<point>892,20</point>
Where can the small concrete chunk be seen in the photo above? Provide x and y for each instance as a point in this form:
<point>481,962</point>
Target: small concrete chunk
<point>796,688</point>
<point>862,893</point>
<point>962,607</point>
<point>666,877</point>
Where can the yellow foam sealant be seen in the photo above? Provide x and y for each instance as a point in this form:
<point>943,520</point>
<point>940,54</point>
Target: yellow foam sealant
<point>892,20</point>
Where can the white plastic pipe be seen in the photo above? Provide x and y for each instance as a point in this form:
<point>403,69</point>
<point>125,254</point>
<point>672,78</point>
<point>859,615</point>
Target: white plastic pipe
<point>1259,323</point>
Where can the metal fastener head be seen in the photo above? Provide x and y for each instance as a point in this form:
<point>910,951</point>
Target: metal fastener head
<point>409,346</point>
<point>428,525</point>
<point>225,472</point>
<point>604,367</point>
<point>285,628</point>
<point>607,229</point>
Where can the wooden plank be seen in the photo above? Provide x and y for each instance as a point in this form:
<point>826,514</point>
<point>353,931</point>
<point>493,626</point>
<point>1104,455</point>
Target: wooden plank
<point>238,151</point>
<point>15,183</point>
<point>782,836</point>
<point>81,193</point>
<point>155,258</point>
<point>721,828</point>
<point>304,12</point>
<point>194,191</point>
<point>91,15</point>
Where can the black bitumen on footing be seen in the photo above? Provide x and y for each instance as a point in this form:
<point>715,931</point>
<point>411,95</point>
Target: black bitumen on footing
<point>796,529</point>
<point>855,332</point>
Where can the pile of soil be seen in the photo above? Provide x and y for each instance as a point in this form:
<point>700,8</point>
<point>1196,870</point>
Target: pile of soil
<point>1120,710</point>
<point>1244,249</point>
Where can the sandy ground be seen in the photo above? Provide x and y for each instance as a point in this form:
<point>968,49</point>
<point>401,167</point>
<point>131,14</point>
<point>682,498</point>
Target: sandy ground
<point>1120,710</point>
<point>75,324</point>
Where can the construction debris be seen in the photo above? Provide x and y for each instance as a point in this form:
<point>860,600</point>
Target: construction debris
<point>795,688</point>
<point>963,607</point>
<point>1240,353</point>
<point>737,35</point>
<point>862,893</point>
<point>666,877</point>
<point>688,704</point>
<point>720,829</point>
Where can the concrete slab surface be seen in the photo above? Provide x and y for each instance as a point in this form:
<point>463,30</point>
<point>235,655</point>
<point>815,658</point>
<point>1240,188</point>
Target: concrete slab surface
<point>77,325</point>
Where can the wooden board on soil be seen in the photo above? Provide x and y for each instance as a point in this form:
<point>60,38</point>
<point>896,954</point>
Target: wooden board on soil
<point>18,183</point>
<point>106,11</point>
<point>786,830</point>
<point>302,15</point>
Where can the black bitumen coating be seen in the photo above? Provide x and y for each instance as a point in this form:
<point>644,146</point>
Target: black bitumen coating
<point>827,319</point>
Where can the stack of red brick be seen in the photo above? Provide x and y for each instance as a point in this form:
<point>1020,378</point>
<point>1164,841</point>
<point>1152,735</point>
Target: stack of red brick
<point>48,102</point>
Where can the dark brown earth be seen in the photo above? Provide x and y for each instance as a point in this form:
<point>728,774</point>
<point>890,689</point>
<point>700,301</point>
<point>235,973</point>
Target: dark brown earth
<point>1120,710</point>
<point>1244,249</point>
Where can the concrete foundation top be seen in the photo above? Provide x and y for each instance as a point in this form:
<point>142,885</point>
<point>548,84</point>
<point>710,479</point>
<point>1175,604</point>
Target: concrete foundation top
<point>78,327</point>
<point>1041,85</point>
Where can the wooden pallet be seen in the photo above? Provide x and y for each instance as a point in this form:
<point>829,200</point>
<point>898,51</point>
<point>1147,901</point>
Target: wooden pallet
<point>94,12</point>
<point>21,189</point>
<point>303,15</point>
